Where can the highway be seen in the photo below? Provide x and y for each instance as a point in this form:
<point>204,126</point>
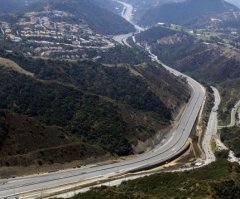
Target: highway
<point>160,154</point>
<point>127,14</point>
<point>122,39</point>
<point>174,144</point>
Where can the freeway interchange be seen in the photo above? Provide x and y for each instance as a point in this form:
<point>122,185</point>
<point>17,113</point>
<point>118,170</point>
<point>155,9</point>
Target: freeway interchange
<point>176,142</point>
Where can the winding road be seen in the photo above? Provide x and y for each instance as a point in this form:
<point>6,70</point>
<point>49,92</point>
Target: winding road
<point>127,14</point>
<point>175,144</point>
<point>234,115</point>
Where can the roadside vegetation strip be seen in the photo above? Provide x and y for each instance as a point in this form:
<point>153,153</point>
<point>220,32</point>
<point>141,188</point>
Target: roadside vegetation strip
<point>217,180</point>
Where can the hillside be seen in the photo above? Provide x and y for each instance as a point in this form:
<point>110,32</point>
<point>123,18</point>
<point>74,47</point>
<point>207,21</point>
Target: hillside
<point>101,16</point>
<point>230,137</point>
<point>98,18</point>
<point>184,11</point>
<point>109,5</point>
<point>81,106</point>
<point>191,55</point>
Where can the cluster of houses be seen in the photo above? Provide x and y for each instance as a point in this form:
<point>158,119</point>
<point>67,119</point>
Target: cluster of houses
<point>54,33</point>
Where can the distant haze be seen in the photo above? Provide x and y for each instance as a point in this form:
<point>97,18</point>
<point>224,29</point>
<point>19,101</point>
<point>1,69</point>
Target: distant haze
<point>235,2</point>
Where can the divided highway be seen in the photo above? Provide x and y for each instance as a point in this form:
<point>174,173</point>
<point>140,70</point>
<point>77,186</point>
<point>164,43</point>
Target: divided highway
<point>175,143</point>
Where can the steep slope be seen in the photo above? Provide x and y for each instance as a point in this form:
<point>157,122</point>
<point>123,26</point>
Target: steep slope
<point>184,11</point>
<point>188,54</point>
<point>85,108</point>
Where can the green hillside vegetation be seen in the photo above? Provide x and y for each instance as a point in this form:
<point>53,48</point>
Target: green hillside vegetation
<point>87,116</point>
<point>230,137</point>
<point>218,180</point>
<point>156,32</point>
<point>128,76</point>
<point>26,141</point>
<point>84,104</point>
<point>93,78</point>
<point>182,12</point>
<point>172,46</point>
<point>121,54</point>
